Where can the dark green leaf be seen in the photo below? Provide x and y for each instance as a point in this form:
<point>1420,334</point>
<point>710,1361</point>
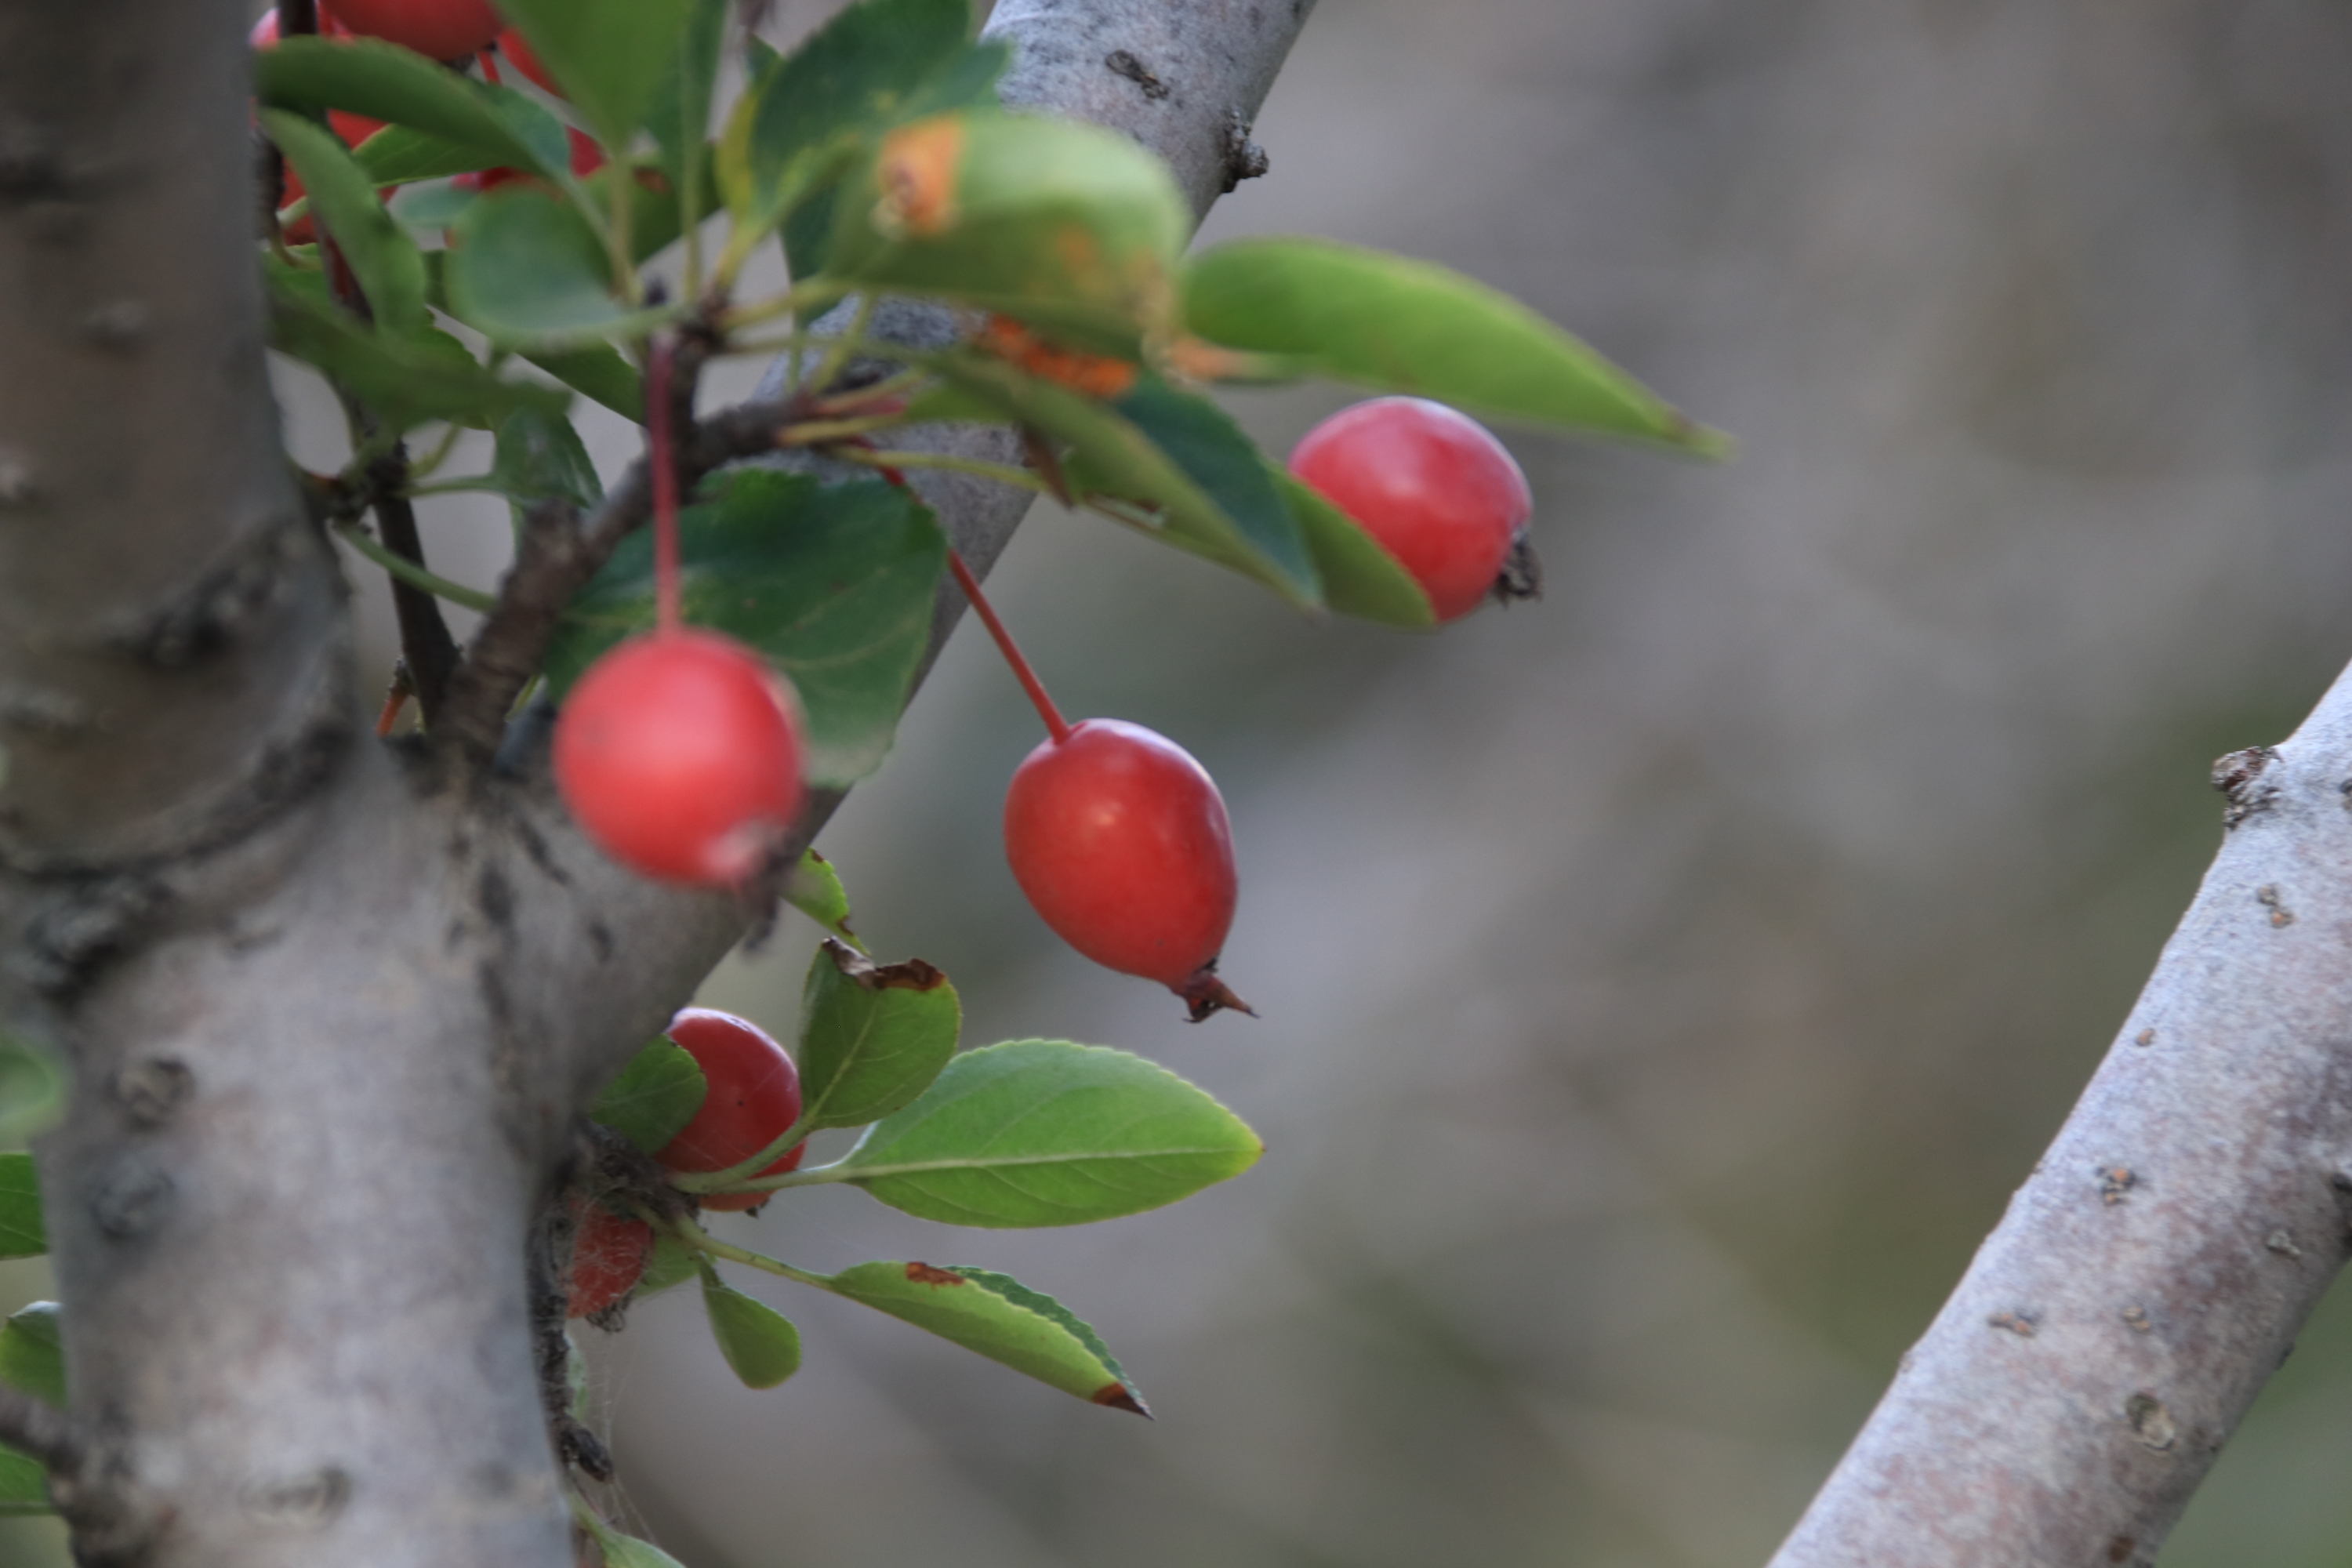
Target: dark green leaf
<point>397,155</point>
<point>1070,227</point>
<point>870,67</point>
<point>655,1097</point>
<point>1231,472</point>
<point>390,271</point>
<point>1000,1318</point>
<point>24,1486</point>
<point>403,381</point>
<point>526,267</point>
<point>1039,1133</point>
<point>833,582</point>
<point>608,56</point>
<point>33,1353</point>
<point>599,372</point>
<point>873,1037</point>
<point>679,115</point>
<point>385,81</point>
<point>815,889</point>
<point>1360,576</point>
<point>21,1232</point>
<point>540,455</point>
<point>1114,457</point>
<point>1400,325</point>
<point>32,1089</point>
<point>758,1341</point>
<point>434,205</point>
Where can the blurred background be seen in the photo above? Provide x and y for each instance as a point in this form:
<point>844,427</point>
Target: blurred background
<point>1664,986</point>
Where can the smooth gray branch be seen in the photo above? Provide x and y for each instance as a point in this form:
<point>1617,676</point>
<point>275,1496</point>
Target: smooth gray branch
<point>2155,1269</point>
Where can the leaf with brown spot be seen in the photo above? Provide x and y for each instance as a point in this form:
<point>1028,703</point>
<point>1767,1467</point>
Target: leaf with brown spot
<point>1000,1318</point>
<point>872,1035</point>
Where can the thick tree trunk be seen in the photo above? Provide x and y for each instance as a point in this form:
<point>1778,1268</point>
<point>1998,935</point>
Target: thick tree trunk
<point>331,1005</point>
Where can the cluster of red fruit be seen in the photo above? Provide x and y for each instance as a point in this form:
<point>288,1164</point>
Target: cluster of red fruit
<point>752,1099</point>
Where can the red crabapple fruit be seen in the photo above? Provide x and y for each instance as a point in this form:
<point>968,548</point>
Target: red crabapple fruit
<point>609,1255</point>
<point>754,1096</point>
<point>1434,487</point>
<point>437,29</point>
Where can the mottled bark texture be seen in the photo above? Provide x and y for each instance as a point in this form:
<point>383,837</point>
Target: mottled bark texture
<point>330,1004</point>
<point>2155,1269</point>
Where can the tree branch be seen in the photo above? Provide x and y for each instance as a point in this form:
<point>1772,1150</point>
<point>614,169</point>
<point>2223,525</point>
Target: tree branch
<point>2155,1269</point>
<point>39,1429</point>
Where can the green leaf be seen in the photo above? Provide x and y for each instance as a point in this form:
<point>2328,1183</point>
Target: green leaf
<point>872,66</point>
<point>390,271</point>
<point>599,372</point>
<point>873,1037</point>
<point>609,57</point>
<point>385,81</point>
<point>1039,1133</point>
<point>674,1261</point>
<point>1360,576</point>
<point>526,267</point>
<point>758,1341</point>
<point>1001,1319</point>
<point>398,155</point>
<point>33,1353</point>
<point>679,115</point>
<point>540,455</point>
<point>403,381</point>
<point>815,889</point>
<point>21,1231</point>
<point>623,1551</point>
<point>433,205</point>
<point>1115,457</point>
<point>655,1097</point>
<point>833,582</point>
<point>1070,227</point>
<point>1231,472</point>
<point>32,1089</point>
<point>24,1486</point>
<point>1399,325</point>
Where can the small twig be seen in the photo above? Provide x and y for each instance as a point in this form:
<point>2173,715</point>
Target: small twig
<point>36,1427</point>
<point>425,640</point>
<point>407,574</point>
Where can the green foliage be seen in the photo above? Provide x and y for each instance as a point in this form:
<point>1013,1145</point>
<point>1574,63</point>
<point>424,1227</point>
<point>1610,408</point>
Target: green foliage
<point>1398,325</point>
<point>873,1037</point>
<point>815,889</point>
<point>528,268</point>
<point>597,371</point>
<point>22,1234</point>
<point>655,1097</point>
<point>1358,576</point>
<point>1044,1132</point>
<point>610,58</point>
<point>540,455</point>
<point>398,155</point>
<point>624,1551</point>
<point>33,1354</point>
<point>390,271</point>
<point>833,582</point>
<point>32,1089</point>
<point>387,82</point>
<point>998,1316</point>
<point>758,1341</point>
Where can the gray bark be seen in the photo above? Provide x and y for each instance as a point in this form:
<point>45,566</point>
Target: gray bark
<point>2154,1269</point>
<point>331,1005</point>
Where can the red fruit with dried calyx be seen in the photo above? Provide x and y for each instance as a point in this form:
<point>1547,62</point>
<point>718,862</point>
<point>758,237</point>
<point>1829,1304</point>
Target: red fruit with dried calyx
<point>1433,485</point>
<point>752,1099</point>
<point>1121,840</point>
<point>609,1255</point>
<point>679,752</point>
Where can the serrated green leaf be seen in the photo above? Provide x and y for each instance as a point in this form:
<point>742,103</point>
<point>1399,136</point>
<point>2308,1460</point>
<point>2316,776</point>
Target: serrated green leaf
<point>655,1096</point>
<point>833,582</point>
<point>540,455</point>
<point>401,155</point>
<point>1360,576</point>
<point>1000,1318</point>
<point>390,271</point>
<point>1071,227</point>
<point>599,373</point>
<point>758,1341</point>
<point>1042,1132</point>
<point>32,1090</point>
<point>22,1234</point>
<point>1400,325</point>
<point>403,381</point>
<point>33,1353</point>
<point>608,56</point>
<point>24,1486</point>
<point>870,67</point>
<point>384,81</point>
<point>815,889</point>
<point>873,1037</point>
<point>525,268</point>
<point>1113,457</point>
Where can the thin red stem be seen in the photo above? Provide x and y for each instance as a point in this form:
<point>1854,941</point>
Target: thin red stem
<point>491,68</point>
<point>1054,726</point>
<point>665,476</point>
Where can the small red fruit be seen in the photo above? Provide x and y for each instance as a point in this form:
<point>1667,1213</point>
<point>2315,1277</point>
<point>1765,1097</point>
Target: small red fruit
<point>609,1255</point>
<point>680,754</point>
<point>518,51</point>
<point>754,1095</point>
<point>437,29</point>
<point>352,128</point>
<point>1121,840</point>
<point>1434,487</point>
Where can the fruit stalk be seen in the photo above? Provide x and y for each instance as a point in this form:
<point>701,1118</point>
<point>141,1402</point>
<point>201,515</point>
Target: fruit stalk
<point>1055,725</point>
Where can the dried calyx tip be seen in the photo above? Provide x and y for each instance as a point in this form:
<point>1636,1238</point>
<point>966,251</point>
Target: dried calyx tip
<point>1206,994</point>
